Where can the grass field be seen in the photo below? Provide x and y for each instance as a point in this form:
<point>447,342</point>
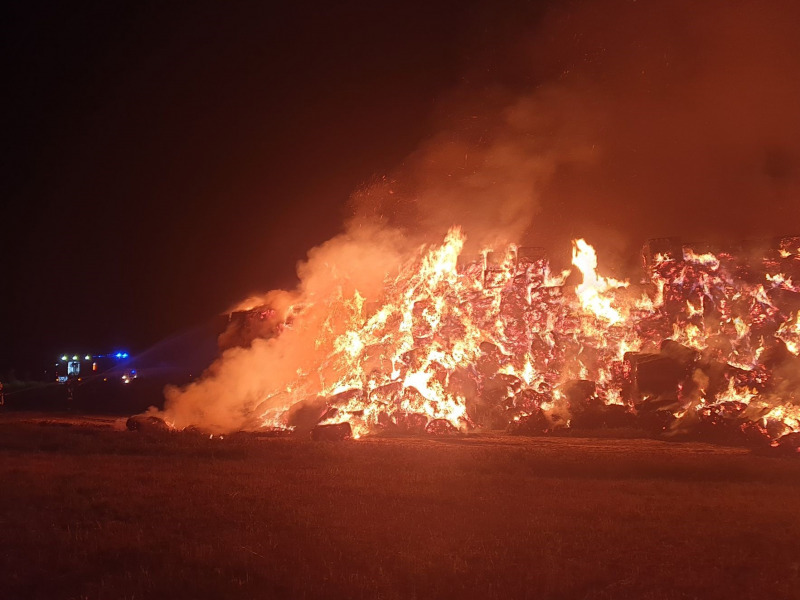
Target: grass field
<point>89,512</point>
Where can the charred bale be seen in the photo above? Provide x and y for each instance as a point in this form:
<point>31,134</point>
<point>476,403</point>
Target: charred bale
<point>650,375</point>
<point>344,398</point>
<point>303,416</point>
<point>589,419</point>
<point>463,382</point>
<point>194,431</point>
<point>717,373</point>
<point>581,395</point>
<point>535,423</point>
<point>656,422</point>
<point>244,326</point>
<point>718,347</point>
<point>147,424</point>
<point>789,444</point>
<point>491,407</point>
<point>784,377</point>
<point>502,385</point>
<point>787,300</point>
<point>528,401</point>
<point>723,424</point>
<point>753,434</point>
<point>775,354</point>
<point>331,413</point>
<point>332,433</point>
<point>776,428</point>
<point>665,402</point>
<point>409,423</point>
<point>683,355</point>
<point>617,416</point>
<point>440,427</point>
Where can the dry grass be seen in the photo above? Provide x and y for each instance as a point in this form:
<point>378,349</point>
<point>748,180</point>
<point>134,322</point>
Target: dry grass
<point>88,512</point>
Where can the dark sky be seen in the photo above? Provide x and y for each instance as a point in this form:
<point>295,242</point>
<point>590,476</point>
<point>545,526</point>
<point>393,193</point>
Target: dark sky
<point>163,160</point>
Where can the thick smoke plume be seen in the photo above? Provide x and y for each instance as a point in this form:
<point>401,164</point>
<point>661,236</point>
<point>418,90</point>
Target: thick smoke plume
<point>612,120</point>
<point>618,121</point>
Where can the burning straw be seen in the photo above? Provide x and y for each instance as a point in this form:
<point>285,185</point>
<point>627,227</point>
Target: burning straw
<point>708,343</point>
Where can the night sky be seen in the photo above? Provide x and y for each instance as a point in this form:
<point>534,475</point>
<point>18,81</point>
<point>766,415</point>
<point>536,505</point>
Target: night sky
<point>164,160</point>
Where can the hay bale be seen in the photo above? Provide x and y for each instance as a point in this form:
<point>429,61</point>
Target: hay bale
<point>649,374</point>
<point>616,416</point>
<point>535,423</point>
<point>440,427</point>
<point>303,416</point>
<point>409,422</point>
<point>147,424</point>
<point>683,355</point>
<point>789,444</point>
<point>336,432</point>
<point>581,395</point>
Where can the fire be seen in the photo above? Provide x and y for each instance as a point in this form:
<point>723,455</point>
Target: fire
<point>450,344</point>
<point>593,292</point>
<point>789,332</point>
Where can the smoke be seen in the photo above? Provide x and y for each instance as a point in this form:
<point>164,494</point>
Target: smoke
<point>486,170</point>
<point>618,121</point>
<point>486,176</point>
<point>241,384</point>
<point>613,120</point>
<point>689,108</point>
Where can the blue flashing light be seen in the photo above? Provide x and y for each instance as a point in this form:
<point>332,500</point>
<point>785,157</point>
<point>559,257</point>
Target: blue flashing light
<point>125,355</point>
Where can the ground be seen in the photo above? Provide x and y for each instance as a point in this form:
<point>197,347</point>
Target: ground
<point>89,511</point>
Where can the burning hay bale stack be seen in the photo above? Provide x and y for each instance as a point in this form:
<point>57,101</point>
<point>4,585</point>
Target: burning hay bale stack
<point>706,347</point>
<point>519,379</point>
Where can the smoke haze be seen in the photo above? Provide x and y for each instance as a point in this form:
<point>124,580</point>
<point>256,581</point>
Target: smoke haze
<point>617,121</point>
